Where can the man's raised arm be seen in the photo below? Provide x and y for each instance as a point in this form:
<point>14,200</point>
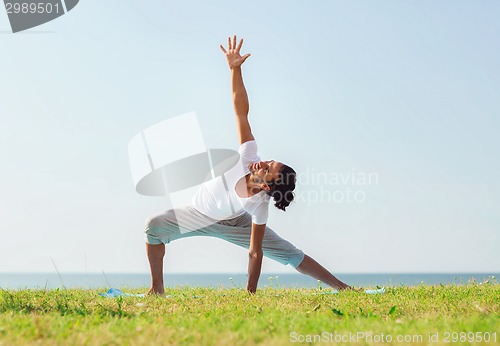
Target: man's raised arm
<point>239,93</point>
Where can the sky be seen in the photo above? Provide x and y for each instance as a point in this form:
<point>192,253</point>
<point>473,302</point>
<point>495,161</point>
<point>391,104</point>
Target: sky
<point>387,110</point>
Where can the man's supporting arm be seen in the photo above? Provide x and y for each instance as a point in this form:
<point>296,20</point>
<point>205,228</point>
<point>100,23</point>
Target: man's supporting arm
<point>255,255</point>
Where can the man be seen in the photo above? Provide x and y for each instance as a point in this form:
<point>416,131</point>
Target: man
<point>234,206</point>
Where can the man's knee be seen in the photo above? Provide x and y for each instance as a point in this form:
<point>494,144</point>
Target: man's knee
<point>297,260</point>
<point>159,221</point>
<point>293,257</point>
<point>158,227</point>
<point>153,222</point>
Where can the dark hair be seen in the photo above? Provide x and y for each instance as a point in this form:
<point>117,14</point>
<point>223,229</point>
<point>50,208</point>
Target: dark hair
<point>282,188</point>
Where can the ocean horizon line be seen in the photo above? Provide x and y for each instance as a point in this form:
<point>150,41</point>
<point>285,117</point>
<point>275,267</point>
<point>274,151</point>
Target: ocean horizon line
<point>225,280</point>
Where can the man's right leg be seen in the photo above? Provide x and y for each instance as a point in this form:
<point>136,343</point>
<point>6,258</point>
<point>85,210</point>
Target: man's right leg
<point>161,230</point>
<point>155,257</point>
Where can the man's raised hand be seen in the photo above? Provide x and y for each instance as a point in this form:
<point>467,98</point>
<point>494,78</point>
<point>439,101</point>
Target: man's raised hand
<point>234,59</point>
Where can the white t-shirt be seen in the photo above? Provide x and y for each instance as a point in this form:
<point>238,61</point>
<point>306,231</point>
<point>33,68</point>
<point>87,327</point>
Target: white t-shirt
<point>218,199</point>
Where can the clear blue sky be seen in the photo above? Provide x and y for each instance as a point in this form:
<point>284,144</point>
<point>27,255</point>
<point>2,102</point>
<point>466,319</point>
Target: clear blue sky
<point>404,90</point>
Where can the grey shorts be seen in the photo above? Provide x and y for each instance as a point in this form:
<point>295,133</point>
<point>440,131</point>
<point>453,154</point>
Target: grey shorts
<point>163,228</point>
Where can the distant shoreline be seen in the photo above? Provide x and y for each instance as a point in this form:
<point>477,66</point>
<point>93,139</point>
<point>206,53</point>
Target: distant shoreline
<point>229,280</point>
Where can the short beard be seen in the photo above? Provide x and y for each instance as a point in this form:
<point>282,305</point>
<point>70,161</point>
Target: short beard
<point>254,178</point>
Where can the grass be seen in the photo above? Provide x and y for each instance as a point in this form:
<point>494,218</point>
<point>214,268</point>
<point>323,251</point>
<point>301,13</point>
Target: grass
<point>274,316</point>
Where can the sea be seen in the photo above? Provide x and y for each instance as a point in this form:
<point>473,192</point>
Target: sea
<point>16,281</point>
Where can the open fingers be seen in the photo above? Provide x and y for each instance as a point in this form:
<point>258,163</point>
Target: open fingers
<point>231,44</point>
<point>239,46</point>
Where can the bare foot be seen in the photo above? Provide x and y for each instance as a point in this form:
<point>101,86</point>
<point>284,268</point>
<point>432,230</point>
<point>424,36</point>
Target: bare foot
<point>156,291</point>
<point>355,289</point>
<point>342,286</point>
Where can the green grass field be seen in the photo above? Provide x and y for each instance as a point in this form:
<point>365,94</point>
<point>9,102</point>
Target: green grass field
<point>443,315</point>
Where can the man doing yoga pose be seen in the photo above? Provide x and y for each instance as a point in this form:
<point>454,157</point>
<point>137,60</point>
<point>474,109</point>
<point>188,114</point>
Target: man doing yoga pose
<point>234,206</point>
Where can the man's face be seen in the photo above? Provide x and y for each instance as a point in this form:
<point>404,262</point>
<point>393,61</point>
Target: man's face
<point>265,171</point>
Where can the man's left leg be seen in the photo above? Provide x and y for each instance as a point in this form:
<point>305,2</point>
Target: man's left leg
<point>238,231</point>
<point>315,270</point>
